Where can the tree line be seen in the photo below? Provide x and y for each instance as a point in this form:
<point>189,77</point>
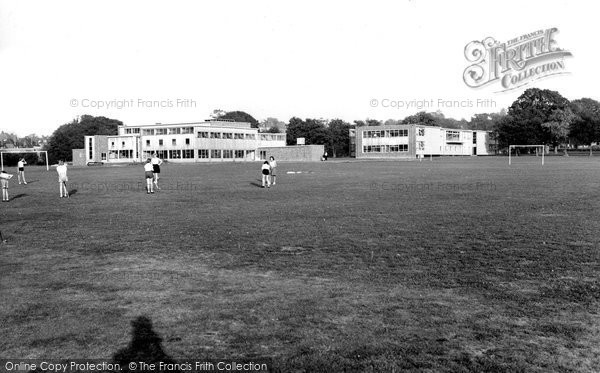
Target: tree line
<point>537,117</point>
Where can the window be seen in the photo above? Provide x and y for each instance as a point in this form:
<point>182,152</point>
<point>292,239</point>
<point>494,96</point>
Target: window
<point>162,154</point>
<point>239,154</point>
<point>173,142</point>
<point>227,153</point>
<point>474,137</point>
<point>238,136</point>
<point>384,133</point>
<point>202,153</point>
<point>174,131</point>
<point>420,145</point>
<point>187,130</point>
<point>160,142</point>
<point>215,135</point>
<point>187,141</point>
<point>187,153</point>
<point>452,136</point>
<point>174,154</point>
<point>397,133</point>
<point>202,135</point>
<point>421,132</point>
<point>161,131</point>
<point>122,144</point>
<point>263,155</point>
<point>125,153</point>
<point>215,153</point>
<point>112,144</point>
<point>91,147</point>
<point>264,137</point>
<point>147,142</point>
<point>227,135</point>
<point>148,132</point>
<point>128,131</point>
<point>103,156</point>
<point>250,136</point>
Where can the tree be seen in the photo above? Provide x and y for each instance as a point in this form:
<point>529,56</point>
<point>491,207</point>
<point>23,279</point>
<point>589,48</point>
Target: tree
<point>339,138</point>
<point>71,135</point>
<point>523,123</point>
<point>585,128</point>
<point>313,130</point>
<point>272,125</point>
<point>559,123</point>
<point>421,117</point>
<point>239,116</point>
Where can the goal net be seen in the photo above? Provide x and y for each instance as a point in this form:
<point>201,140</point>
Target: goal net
<point>17,151</point>
<point>525,151</point>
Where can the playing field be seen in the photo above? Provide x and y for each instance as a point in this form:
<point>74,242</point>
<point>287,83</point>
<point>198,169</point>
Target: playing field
<point>457,265</point>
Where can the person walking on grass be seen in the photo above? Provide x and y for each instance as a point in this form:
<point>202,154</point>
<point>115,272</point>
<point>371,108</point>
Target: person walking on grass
<point>273,165</point>
<point>21,174</point>
<point>61,169</point>
<point>265,171</point>
<point>4,177</point>
<point>156,162</point>
<point>149,172</point>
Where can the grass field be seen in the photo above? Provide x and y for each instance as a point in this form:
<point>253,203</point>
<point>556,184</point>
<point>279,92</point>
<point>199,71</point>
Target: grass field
<point>455,265</point>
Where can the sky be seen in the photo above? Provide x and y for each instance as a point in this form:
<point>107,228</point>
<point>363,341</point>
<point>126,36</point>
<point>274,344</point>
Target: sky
<point>145,62</point>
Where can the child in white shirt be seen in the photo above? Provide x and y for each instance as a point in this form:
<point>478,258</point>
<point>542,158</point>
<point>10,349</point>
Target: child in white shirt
<point>148,169</point>
<point>62,179</point>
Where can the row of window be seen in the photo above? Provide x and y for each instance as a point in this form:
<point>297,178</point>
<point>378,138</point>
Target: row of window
<point>202,153</point>
<point>240,136</point>
<point>204,134</point>
<point>385,148</point>
<point>161,131</point>
<point>384,133</point>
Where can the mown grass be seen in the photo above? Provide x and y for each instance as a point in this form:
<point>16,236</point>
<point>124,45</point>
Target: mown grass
<point>455,265</point>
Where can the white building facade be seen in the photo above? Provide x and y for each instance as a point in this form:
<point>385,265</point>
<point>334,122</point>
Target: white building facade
<point>411,141</point>
<point>209,141</point>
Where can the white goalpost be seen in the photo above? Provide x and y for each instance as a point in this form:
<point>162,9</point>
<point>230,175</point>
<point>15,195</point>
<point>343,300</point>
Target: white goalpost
<point>538,149</point>
<point>19,151</point>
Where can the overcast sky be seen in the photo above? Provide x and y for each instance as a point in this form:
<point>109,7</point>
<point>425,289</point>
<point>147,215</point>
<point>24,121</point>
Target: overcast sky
<point>311,59</point>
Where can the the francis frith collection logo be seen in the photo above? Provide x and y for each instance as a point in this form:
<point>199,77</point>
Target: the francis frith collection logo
<point>514,63</point>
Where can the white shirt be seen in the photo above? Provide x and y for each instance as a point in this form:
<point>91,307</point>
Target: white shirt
<point>148,167</point>
<point>62,170</point>
<point>273,163</point>
<point>21,164</point>
<point>156,160</point>
<point>266,167</point>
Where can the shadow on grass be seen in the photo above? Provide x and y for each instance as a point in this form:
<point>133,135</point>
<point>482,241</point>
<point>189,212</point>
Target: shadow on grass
<point>19,196</point>
<point>72,192</point>
<point>145,346</point>
<point>258,185</point>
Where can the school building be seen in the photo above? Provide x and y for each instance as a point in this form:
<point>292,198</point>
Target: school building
<point>208,141</point>
<point>412,141</point>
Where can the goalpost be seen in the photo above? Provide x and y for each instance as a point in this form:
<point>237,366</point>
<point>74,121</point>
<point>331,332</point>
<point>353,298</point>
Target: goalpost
<point>537,151</point>
<point>22,150</point>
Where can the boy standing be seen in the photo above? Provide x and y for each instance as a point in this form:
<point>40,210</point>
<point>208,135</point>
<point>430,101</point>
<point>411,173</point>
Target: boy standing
<point>273,164</point>
<point>156,162</point>
<point>266,170</point>
<point>148,170</point>
<point>62,179</point>
<point>21,164</point>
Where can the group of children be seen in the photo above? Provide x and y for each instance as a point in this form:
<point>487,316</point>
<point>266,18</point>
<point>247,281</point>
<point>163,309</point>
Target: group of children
<point>62,179</point>
<point>152,170</point>
<point>268,172</point>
